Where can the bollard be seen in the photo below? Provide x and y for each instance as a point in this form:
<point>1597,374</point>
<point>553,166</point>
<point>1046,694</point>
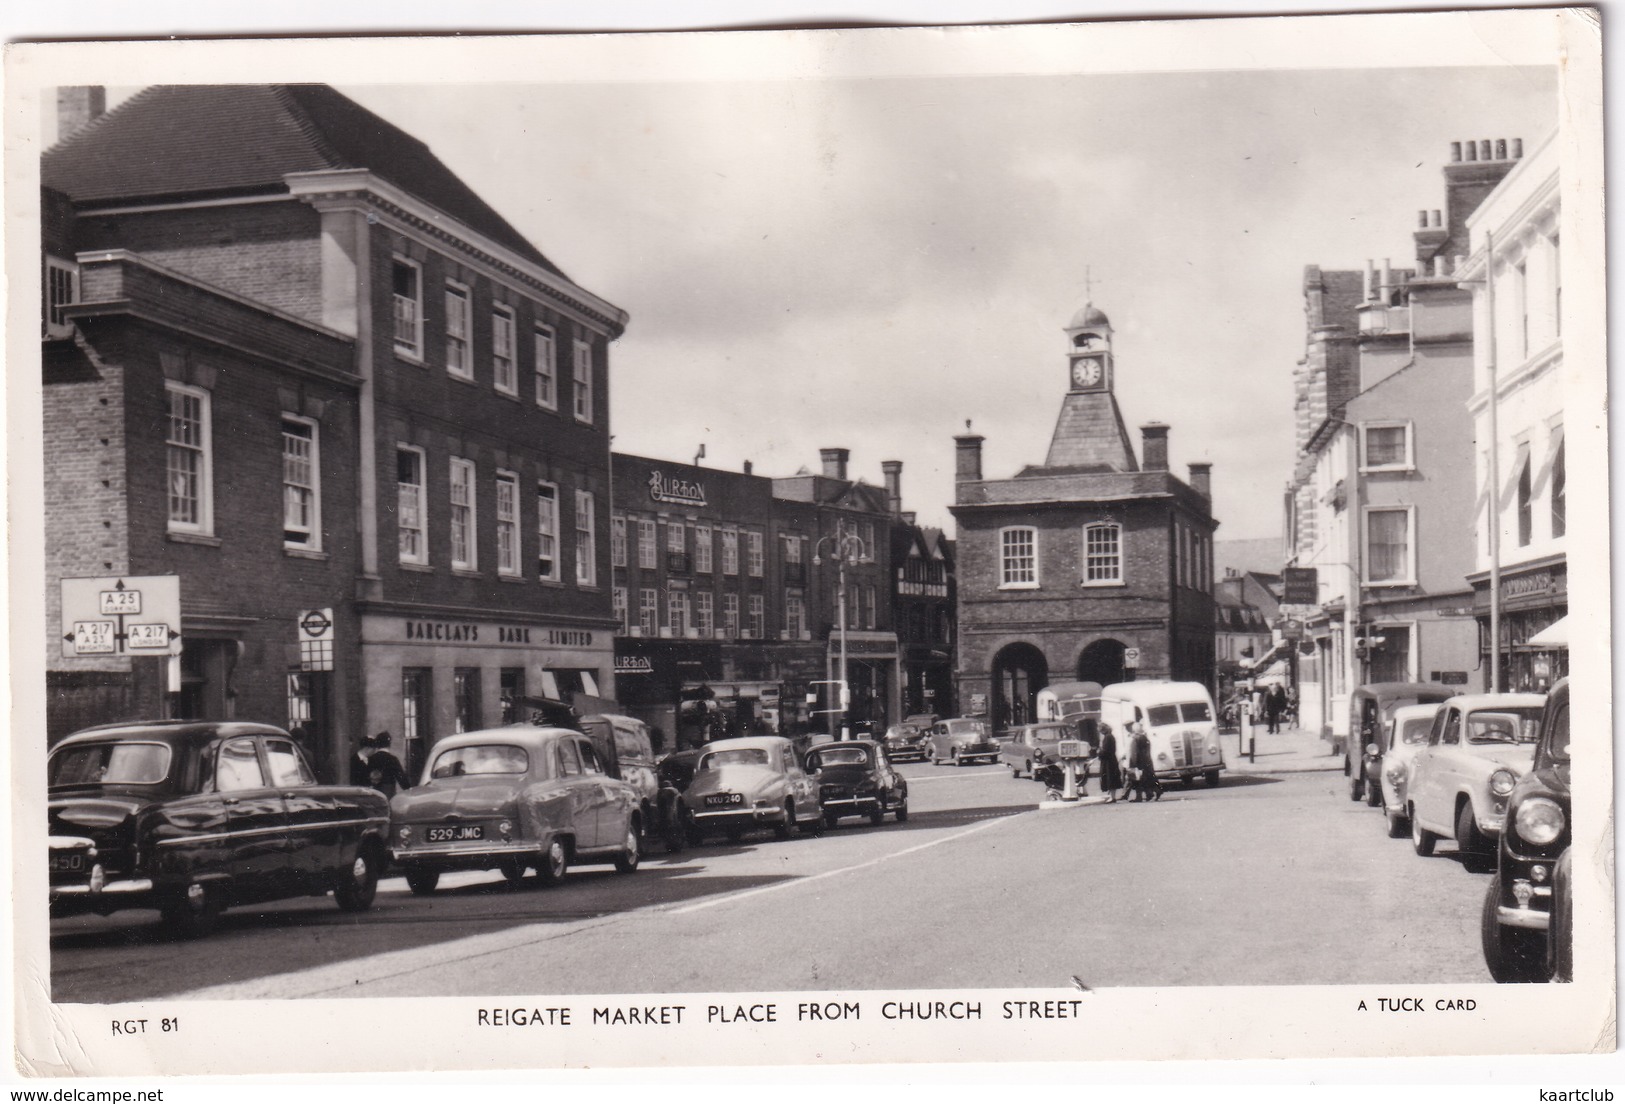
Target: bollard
<point>1069,790</point>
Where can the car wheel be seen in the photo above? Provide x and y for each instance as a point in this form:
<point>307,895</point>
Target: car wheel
<point>1015,772</point>
<point>193,914</point>
<point>1470,842</point>
<point>1212,778</point>
<point>677,833</point>
<point>630,854</point>
<point>953,757</point>
<point>782,831</point>
<point>512,870</point>
<point>1422,840</point>
<point>358,885</point>
<point>1373,794</point>
<point>831,819</point>
<point>813,827</point>
<point>696,836</point>
<point>1398,826</point>
<point>555,861</point>
<point>879,813</point>
<point>1512,954</point>
<point>901,810</point>
<point>422,882</point>
<point>1356,787</point>
<point>734,835</point>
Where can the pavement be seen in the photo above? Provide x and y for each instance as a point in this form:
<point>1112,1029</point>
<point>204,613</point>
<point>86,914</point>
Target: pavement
<point>1292,751</point>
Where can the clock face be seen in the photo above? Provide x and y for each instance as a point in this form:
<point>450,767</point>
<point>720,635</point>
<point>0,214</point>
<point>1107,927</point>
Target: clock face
<point>1085,373</point>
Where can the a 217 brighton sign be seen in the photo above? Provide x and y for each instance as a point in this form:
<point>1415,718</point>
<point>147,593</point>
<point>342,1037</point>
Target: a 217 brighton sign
<point>129,615</point>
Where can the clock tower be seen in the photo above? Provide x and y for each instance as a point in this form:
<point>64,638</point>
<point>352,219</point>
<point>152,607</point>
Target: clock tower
<point>1090,434</point>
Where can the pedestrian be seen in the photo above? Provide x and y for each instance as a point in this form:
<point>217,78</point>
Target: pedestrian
<point>1111,772</point>
<point>384,770</point>
<point>360,772</point>
<point>1146,787</point>
<point>1274,706</point>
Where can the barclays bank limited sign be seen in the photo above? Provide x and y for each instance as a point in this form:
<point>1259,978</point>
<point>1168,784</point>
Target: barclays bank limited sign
<point>681,492</point>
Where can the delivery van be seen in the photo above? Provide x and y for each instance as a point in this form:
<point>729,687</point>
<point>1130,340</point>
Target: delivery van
<point>1180,720</point>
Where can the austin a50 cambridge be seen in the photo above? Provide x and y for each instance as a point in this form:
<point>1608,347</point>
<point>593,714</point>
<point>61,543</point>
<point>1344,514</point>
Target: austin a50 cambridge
<point>512,798</point>
<point>190,817</point>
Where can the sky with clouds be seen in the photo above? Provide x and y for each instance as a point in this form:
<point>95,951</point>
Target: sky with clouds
<point>869,262</point>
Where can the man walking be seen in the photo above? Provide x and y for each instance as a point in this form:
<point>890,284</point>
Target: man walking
<point>1275,706</point>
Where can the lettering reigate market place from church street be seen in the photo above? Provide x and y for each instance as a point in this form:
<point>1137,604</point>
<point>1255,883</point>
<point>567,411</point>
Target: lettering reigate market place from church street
<point>362,421</point>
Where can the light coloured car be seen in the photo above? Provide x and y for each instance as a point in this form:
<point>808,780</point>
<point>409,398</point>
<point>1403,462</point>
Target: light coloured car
<point>1031,746</point>
<point>961,740</point>
<point>751,782</point>
<point>1405,733</point>
<point>511,798</point>
<point>1478,747</point>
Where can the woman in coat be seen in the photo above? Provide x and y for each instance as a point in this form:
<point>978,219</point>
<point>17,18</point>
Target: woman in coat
<point>1111,774</point>
<point>1145,771</point>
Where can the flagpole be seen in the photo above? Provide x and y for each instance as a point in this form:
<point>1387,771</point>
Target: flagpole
<point>1495,467</point>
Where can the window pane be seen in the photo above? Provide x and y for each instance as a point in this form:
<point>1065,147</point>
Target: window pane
<point>546,370</point>
<point>1388,556</point>
<point>547,530</point>
<point>298,483</point>
<point>507,524</point>
<point>1385,446</point>
<point>586,540</point>
<point>457,357</point>
<point>1018,564</point>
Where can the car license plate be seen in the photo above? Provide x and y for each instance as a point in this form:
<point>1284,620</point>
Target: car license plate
<point>724,799</point>
<point>455,835</point>
<point>67,863</point>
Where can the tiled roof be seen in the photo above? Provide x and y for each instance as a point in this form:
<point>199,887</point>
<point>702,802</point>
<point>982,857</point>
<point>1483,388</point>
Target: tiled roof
<point>194,141</point>
<point>1090,435</point>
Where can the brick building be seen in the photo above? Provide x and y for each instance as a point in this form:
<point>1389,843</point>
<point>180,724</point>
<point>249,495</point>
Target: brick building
<point>1088,566</point>
<point>463,433</point>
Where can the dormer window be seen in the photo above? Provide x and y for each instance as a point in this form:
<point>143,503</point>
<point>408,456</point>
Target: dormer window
<point>61,289</point>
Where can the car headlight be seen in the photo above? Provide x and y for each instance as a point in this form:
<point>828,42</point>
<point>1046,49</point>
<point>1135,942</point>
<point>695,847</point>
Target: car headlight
<point>406,833</point>
<point>1502,781</point>
<point>1394,773</point>
<point>1371,749</point>
<point>1540,820</point>
<point>506,828</point>
<point>1162,756</point>
<point>1213,749</point>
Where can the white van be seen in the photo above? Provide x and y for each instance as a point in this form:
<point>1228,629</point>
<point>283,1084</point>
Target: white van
<point>1178,717</point>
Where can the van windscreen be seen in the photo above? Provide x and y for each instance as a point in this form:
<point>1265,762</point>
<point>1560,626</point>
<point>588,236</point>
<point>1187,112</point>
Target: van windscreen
<point>1162,715</point>
<point>1193,712</point>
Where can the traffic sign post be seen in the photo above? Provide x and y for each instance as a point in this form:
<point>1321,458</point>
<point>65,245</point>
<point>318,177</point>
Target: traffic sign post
<point>316,639</point>
<point>122,615</point>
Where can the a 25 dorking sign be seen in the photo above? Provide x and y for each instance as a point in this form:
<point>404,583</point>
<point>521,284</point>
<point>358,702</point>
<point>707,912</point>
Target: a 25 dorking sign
<point>128,615</point>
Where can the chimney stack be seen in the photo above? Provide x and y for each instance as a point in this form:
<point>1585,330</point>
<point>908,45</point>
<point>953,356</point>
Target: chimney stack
<point>968,458</point>
<point>909,517</point>
<point>893,472</point>
<point>749,467</point>
<point>1202,479</point>
<point>1154,447</point>
<point>835,462</point>
<point>77,107</point>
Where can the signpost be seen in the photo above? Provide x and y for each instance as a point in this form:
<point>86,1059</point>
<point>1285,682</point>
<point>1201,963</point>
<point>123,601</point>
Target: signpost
<point>1131,659</point>
<point>128,615</point>
<point>316,639</point>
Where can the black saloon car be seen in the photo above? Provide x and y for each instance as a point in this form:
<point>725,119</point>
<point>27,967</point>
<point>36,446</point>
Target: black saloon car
<point>854,779</point>
<point>1527,923</point>
<point>190,817</point>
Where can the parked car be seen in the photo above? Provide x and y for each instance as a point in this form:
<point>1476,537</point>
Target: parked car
<point>626,751</point>
<point>1478,746</point>
<point>751,782</point>
<point>1180,721</point>
<point>193,817</point>
<point>855,779</point>
<point>1031,746</point>
<point>511,798</point>
<point>1527,929</point>
<point>962,740</point>
<point>1371,707</point>
<point>908,741</point>
<point>1405,734</point>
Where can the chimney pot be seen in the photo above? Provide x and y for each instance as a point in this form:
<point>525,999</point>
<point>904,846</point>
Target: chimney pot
<point>968,458</point>
<point>1484,149</point>
<point>1500,149</point>
<point>1438,218</point>
<point>1455,151</point>
<point>1154,446</point>
<point>1517,148</point>
<point>1472,150</point>
<point>749,467</point>
<point>910,517</point>
<point>1422,219</point>
<point>835,462</point>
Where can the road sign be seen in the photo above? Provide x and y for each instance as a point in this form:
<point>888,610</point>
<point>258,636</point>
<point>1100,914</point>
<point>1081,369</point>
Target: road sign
<point>1290,629</point>
<point>316,639</point>
<point>1131,658</point>
<point>121,615</point>
<point>316,624</point>
<point>1300,586</point>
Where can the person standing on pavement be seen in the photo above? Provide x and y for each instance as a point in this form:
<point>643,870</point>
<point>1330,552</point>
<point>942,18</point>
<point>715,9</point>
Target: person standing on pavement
<point>385,771</point>
<point>1275,706</point>
<point>1146,787</point>
<point>360,772</point>
<point>1111,773</point>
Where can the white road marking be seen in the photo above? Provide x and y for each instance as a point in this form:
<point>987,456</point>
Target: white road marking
<point>951,777</point>
<point>742,894</point>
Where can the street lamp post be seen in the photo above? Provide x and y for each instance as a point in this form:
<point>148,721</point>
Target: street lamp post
<point>847,549</point>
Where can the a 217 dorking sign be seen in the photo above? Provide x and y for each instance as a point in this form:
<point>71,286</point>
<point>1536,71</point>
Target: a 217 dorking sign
<point>122,615</point>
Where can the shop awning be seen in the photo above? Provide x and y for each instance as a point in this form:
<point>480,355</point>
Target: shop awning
<point>1555,635</point>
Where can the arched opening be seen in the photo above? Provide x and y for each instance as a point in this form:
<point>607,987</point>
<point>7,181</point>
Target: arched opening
<point>1102,662</point>
<point>1020,671</point>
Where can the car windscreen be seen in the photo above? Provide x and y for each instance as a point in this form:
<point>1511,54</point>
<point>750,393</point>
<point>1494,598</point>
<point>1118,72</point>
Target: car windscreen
<point>1194,712</point>
<point>1504,726</point>
<point>735,757</point>
<point>480,759</point>
<point>1162,715</point>
<point>114,762</point>
<point>842,757</point>
<point>1054,732</point>
<point>967,728</point>
<point>1415,730</point>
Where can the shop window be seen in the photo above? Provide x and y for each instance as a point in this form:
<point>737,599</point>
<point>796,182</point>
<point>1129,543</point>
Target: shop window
<point>416,711</point>
<point>512,688</point>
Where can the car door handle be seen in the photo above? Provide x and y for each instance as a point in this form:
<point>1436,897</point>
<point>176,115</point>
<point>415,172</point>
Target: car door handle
<point>228,801</point>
